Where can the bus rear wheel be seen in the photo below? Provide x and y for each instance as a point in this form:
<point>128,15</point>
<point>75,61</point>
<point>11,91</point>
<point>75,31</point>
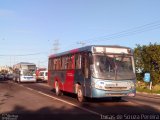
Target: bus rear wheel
<point>58,91</point>
<point>80,96</point>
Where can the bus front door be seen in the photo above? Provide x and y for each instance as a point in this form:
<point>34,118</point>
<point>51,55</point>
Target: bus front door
<point>86,74</point>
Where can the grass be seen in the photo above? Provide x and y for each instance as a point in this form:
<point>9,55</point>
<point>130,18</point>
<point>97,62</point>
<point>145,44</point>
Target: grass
<point>143,87</point>
<point>147,90</point>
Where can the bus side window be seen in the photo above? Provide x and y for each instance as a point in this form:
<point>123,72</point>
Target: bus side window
<point>73,61</point>
<point>90,59</point>
<point>58,63</point>
<point>85,65</point>
<point>49,65</point>
<point>70,62</point>
<point>63,63</point>
<point>54,65</point>
<point>78,59</point>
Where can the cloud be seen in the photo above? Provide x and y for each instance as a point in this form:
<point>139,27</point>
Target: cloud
<point>6,13</point>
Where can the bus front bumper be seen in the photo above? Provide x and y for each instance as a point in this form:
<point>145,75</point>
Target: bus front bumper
<point>99,93</point>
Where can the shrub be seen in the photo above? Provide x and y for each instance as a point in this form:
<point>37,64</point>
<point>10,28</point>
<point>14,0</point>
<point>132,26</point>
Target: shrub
<point>156,88</point>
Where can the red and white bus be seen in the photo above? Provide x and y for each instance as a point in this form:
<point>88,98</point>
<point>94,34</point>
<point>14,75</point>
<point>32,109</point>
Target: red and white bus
<point>93,71</point>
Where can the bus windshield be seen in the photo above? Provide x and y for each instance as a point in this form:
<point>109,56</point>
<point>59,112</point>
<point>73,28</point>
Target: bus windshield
<point>113,67</point>
<point>28,72</point>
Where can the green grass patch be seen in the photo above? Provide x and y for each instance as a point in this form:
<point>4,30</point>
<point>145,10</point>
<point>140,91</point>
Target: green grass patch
<point>144,87</point>
<point>147,90</point>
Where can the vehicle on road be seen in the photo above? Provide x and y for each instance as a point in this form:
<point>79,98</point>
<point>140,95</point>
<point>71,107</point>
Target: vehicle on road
<point>24,72</point>
<point>42,76</point>
<point>1,77</point>
<point>93,71</point>
<point>10,76</point>
<point>39,76</point>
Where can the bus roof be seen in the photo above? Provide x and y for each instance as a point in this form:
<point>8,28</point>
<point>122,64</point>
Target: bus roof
<point>25,63</point>
<point>86,48</point>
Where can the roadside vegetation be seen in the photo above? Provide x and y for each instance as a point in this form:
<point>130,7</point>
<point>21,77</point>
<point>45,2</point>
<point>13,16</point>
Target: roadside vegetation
<point>147,60</point>
<point>144,87</point>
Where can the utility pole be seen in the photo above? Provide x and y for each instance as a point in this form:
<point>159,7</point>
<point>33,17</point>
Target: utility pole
<point>56,46</point>
<point>14,59</point>
<point>81,43</point>
<point>10,60</point>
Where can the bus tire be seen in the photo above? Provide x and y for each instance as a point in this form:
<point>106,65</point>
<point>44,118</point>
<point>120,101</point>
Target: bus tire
<point>80,96</point>
<point>57,89</point>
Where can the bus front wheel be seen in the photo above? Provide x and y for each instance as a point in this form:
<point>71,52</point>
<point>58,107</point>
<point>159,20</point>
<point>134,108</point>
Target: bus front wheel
<point>80,96</point>
<point>57,89</point>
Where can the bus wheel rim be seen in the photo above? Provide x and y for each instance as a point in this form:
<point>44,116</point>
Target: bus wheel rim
<point>79,95</point>
<point>57,88</point>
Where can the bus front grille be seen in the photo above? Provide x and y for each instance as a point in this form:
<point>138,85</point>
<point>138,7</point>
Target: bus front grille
<point>116,94</point>
<point>116,88</point>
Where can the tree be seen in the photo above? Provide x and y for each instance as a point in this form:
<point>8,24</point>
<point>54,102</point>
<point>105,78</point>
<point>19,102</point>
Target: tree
<point>4,71</point>
<point>147,59</point>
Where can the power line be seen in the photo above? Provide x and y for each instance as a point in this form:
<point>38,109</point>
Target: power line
<point>132,31</point>
<point>24,54</point>
<point>128,32</point>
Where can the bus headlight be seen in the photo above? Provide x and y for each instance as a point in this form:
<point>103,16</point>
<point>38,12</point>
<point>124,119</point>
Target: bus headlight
<point>100,85</point>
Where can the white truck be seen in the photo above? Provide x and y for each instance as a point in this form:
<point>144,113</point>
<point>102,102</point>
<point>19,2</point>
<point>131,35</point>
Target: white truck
<point>43,76</point>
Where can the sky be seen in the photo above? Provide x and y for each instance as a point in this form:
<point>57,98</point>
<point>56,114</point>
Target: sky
<point>29,28</point>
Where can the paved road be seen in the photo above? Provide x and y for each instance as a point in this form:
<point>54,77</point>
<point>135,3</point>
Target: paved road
<point>144,99</point>
<point>38,100</point>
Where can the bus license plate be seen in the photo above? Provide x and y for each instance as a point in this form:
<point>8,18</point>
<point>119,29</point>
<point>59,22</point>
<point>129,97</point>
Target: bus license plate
<point>111,85</point>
